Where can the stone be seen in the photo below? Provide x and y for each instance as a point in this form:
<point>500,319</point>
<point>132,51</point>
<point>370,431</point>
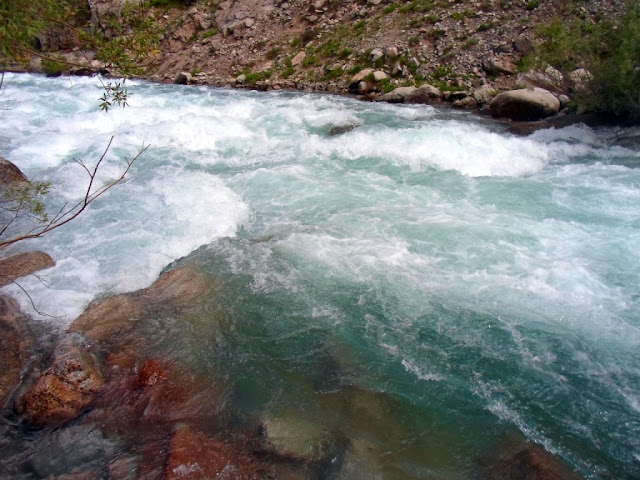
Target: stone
<point>398,95</point>
<point>15,343</point>
<point>195,455</point>
<point>580,79</point>
<point>23,264</point>
<point>290,435</point>
<point>527,104</point>
<point>340,129</point>
<point>379,75</point>
<point>502,64</point>
<point>466,102</point>
<point>298,59</point>
<point>391,52</point>
<point>104,318</point>
<point>424,94</point>
<point>549,79</point>
<point>376,54</point>
<point>66,389</point>
<point>484,94</point>
<point>564,101</point>
<point>240,79</point>
<point>524,45</point>
<point>10,174</point>
<point>183,78</point>
<point>72,449</point>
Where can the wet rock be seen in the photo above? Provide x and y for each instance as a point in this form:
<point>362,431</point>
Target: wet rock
<point>124,468</point>
<point>23,264</point>
<point>72,449</point>
<point>424,94</point>
<point>363,460</point>
<point>10,174</point>
<point>398,95</point>
<point>526,104</point>
<point>530,462</point>
<point>290,435</point>
<point>178,288</point>
<point>147,396</point>
<point>195,455</point>
<point>64,390</point>
<point>183,78</point>
<point>15,341</point>
<point>102,319</point>
<point>340,129</point>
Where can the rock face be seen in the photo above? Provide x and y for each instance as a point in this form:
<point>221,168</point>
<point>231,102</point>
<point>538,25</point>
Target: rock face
<point>15,341</point>
<point>23,264</point>
<point>291,436</point>
<point>65,389</point>
<point>9,173</point>
<point>526,104</point>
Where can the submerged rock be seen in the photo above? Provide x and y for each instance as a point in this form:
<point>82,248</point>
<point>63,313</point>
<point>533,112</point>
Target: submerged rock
<point>290,435</point>
<point>66,389</point>
<point>526,104</point>
<point>195,455</point>
<point>15,342</point>
<point>340,129</point>
<point>23,264</point>
<point>529,462</point>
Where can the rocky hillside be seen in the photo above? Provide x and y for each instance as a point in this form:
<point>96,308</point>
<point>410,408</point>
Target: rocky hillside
<point>468,50</point>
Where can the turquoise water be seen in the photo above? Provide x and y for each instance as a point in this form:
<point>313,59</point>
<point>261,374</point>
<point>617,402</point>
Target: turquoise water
<point>463,283</point>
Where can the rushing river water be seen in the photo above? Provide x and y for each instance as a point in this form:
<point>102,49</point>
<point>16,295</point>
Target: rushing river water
<point>487,284</point>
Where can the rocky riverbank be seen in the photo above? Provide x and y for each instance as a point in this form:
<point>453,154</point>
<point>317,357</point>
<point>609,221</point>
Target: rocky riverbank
<point>464,52</point>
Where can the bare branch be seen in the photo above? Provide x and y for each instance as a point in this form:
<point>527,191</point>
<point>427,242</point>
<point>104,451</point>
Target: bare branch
<point>29,296</point>
<point>65,216</point>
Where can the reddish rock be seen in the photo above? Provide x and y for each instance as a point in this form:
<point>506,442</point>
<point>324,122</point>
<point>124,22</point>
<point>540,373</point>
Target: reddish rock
<point>15,342</point>
<point>23,264</point>
<point>10,174</point>
<point>64,390</point>
<point>194,455</point>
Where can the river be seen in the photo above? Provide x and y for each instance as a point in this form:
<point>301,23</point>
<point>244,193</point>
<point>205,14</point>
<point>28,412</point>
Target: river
<point>487,284</point>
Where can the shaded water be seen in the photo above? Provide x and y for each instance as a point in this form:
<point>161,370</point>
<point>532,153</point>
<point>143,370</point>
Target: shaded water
<point>461,283</point>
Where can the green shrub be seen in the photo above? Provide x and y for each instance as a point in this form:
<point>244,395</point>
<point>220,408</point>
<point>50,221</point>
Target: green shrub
<point>609,50</point>
<point>533,4</point>
<point>52,67</point>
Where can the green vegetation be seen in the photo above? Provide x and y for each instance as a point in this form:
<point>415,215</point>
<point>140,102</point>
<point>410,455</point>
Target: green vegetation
<point>609,50</point>
<point>53,67</point>
<point>418,6</point>
<point>251,78</point>
<point>532,4</point>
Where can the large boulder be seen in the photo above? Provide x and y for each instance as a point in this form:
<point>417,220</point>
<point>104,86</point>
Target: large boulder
<point>66,389</point>
<point>424,94</point>
<point>499,64</point>
<point>527,104</point>
<point>23,264</point>
<point>398,95</point>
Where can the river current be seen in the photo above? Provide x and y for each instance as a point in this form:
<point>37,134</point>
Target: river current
<point>489,284</point>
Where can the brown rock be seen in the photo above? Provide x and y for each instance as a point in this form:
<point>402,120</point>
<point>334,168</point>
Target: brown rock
<point>424,94</point>
<point>102,319</point>
<point>9,173</point>
<point>531,462</point>
<point>15,341</point>
<point>495,65</point>
<point>194,455</point>
<point>23,264</point>
<point>64,390</point>
<point>466,102</point>
<point>177,288</point>
<point>526,104</point>
<point>398,95</point>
